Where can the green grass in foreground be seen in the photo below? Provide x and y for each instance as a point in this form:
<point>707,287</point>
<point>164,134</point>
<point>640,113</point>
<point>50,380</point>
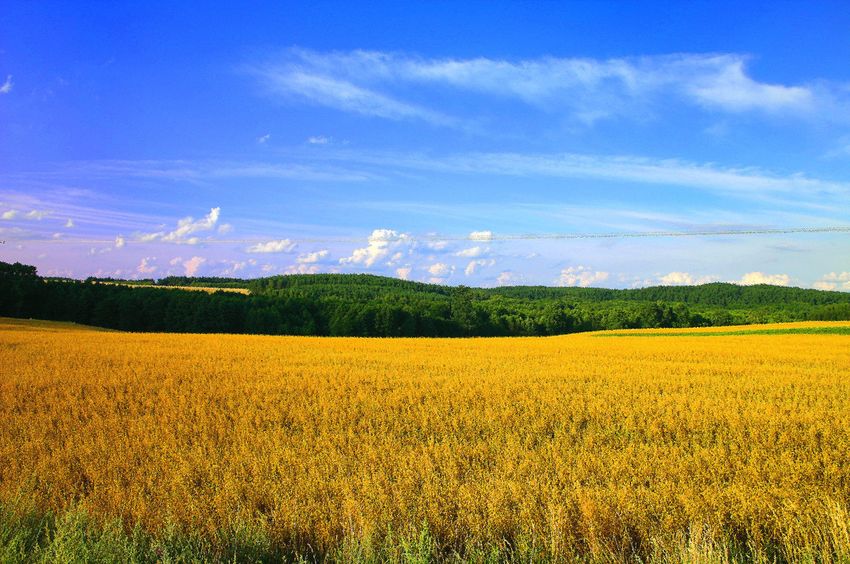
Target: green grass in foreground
<point>788,331</point>
<point>75,536</point>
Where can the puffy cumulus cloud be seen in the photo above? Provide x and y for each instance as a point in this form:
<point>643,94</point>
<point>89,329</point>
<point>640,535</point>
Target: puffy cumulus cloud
<point>185,228</point>
<point>69,224</point>
<point>264,138</point>
<point>684,279</point>
<point>7,85</point>
<point>833,281</point>
<point>191,266</point>
<point>472,252</point>
<point>752,278</point>
<point>474,265</point>
<point>440,272</point>
<point>303,269</point>
<point>481,236</point>
<point>582,276</point>
<point>506,278</point>
<point>318,140</point>
<point>381,243</point>
<point>279,246</point>
<point>120,242</point>
<point>309,258</point>
<point>437,245</point>
<point>403,272</point>
<point>9,214</point>
<point>146,266</point>
<point>440,269</point>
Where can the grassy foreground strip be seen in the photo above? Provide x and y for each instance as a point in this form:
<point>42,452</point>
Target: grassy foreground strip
<point>160,447</point>
<point>27,535</point>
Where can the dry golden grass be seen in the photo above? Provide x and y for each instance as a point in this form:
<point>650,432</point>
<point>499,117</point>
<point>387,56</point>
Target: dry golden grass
<point>244,291</point>
<point>607,448</point>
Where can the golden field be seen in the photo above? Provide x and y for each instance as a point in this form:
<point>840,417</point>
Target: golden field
<point>208,290</point>
<point>560,448</point>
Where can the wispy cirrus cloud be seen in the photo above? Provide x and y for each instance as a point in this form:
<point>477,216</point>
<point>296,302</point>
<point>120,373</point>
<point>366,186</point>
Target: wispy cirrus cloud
<point>376,83</point>
<point>197,171</point>
<point>327,90</point>
<point>728,180</point>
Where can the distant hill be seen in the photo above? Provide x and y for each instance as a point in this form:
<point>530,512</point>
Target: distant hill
<point>368,305</point>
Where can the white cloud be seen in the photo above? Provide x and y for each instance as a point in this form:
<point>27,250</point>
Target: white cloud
<point>471,252</point>
<point>7,85</point>
<point>303,269</point>
<point>225,228</point>
<point>185,227</point>
<point>833,281</point>
<point>669,172</point>
<point>264,138</point>
<point>440,269</point>
<point>279,246</point>
<point>684,279</point>
<point>145,266</point>
<point>69,224</point>
<point>120,242</point>
<point>381,242</point>
<point>506,278</point>
<point>752,278</point>
<point>403,273</point>
<point>192,265</point>
<point>341,94</point>
<point>821,285</point>
<point>722,82</point>
<point>580,276</point>
<point>481,236</point>
<point>309,258</point>
<point>318,140</point>
<point>175,261</point>
<point>475,264</point>
<point>586,89</point>
<point>437,245</point>
<point>37,214</point>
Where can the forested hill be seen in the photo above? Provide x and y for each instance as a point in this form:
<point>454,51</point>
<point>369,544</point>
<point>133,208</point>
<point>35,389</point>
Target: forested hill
<point>367,305</point>
<point>369,286</point>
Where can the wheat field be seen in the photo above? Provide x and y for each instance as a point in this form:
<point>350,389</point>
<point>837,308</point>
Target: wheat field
<point>582,447</point>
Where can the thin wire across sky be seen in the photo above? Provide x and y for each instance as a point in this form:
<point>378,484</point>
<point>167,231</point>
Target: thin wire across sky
<point>485,236</point>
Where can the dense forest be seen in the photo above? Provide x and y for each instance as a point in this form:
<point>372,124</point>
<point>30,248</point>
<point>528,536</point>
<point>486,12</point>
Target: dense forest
<point>367,305</point>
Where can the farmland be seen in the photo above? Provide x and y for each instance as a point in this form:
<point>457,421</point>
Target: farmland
<point>677,447</point>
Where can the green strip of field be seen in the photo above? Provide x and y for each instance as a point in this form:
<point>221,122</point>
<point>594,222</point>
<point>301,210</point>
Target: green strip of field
<point>789,331</point>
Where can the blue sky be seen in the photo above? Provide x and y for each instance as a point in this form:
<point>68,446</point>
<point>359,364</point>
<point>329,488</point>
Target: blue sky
<point>419,140</point>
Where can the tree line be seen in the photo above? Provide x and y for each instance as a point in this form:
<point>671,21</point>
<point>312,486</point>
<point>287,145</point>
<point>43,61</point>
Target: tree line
<point>375,306</point>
